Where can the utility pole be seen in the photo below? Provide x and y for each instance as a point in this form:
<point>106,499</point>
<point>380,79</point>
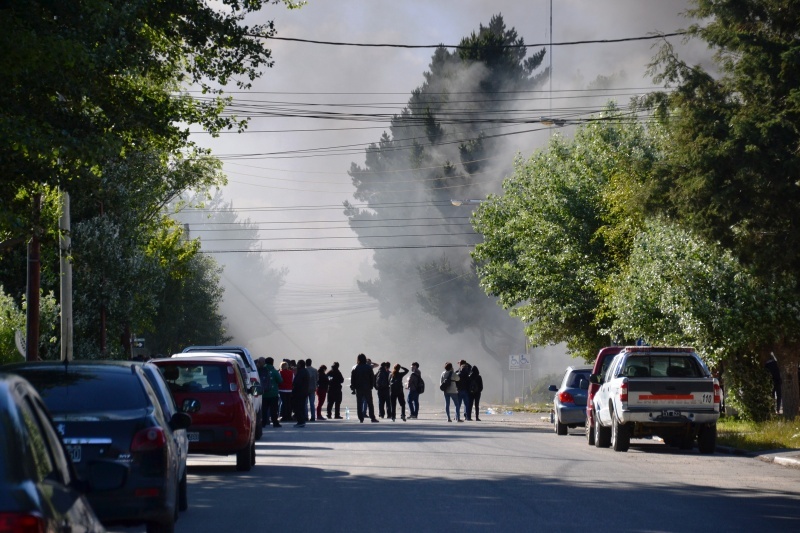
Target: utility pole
<point>34,283</point>
<point>66,279</point>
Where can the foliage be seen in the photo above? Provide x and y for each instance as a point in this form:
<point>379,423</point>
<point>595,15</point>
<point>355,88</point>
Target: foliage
<point>551,240</point>
<point>438,148</point>
<point>12,319</point>
<point>758,436</point>
<point>748,388</point>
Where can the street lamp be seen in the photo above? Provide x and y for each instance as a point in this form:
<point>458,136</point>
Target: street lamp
<point>459,203</point>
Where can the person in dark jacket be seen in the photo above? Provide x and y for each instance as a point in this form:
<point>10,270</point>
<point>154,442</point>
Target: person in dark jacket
<point>335,380</point>
<point>300,394</point>
<point>464,370</point>
<point>382,386</point>
<point>396,391</point>
<point>362,381</point>
<point>322,389</point>
<point>475,389</point>
<point>413,386</point>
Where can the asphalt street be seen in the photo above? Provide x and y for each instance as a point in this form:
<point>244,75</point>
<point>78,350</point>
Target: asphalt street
<point>505,473</point>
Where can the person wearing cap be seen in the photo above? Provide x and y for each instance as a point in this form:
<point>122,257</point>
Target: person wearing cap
<point>412,384</point>
<point>335,380</point>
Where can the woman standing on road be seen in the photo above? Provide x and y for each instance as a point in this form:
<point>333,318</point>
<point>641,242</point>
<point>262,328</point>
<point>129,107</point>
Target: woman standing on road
<point>285,391</point>
<point>475,389</point>
<point>396,390</point>
<point>447,384</point>
<point>322,389</point>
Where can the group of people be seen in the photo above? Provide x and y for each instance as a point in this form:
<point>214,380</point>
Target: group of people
<point>296,391</point>
<point>463,387</point>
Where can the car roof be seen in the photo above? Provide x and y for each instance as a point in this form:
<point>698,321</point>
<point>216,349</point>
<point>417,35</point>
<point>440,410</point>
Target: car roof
<point>110,365</point>
<point>199,357</point>
<point>580,368</point>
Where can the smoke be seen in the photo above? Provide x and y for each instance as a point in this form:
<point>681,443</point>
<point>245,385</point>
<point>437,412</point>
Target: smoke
<point>319,310</point>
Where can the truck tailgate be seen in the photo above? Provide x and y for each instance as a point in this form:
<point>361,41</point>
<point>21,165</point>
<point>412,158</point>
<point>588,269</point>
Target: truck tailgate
<point>684,393</point>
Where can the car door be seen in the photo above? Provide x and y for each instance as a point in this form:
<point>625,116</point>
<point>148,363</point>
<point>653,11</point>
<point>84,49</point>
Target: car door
<point>169,408</point>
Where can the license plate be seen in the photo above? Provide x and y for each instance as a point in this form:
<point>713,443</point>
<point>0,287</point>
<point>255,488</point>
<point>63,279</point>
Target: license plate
<point>74,452</point>
<point>670,413</point>
<point>193,436</point>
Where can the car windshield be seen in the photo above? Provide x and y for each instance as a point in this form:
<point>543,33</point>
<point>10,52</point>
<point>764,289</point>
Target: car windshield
<point>200,377</point>
<point>662,366</point>
<point>83,390</point>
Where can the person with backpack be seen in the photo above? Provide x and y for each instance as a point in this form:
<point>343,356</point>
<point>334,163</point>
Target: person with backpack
<point>270,379</point>
<point>335,381</point>
<point>415,386</point>
<point>475,389</point>
<point>396,390</point>
<point>322,389</point>
<point>382,386</point>
<point>447,384</point>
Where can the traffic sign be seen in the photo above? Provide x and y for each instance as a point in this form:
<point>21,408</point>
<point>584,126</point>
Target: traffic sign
<point>519,362</point>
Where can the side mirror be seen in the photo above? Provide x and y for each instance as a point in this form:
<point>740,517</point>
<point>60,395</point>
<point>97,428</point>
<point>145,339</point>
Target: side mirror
<point>190,405</point>
<point>594,378</point>
<point>552,388</point>
<point>180,421</point>
<point>583,384</point>
<point>256,390</point>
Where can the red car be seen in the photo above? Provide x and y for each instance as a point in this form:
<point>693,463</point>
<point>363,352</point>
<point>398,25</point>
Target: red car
<point>212,389</point>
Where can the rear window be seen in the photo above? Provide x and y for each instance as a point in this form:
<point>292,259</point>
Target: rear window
<point>80,390</point>
<point>663,366</point>
<point>196,377</point>
<point>573,380</point>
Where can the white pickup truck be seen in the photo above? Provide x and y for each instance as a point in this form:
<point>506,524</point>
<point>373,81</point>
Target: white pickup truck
<point>657,391</point>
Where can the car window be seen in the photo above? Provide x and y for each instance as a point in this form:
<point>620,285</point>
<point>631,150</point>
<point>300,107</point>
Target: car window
<point>8,449</point>
<point>162,392</point>
<point>611,369</point>
<point>41,465</point>
<point>574,379</point>
<point>194,376</point>
<point>86,390</point>
<point>61,471</point>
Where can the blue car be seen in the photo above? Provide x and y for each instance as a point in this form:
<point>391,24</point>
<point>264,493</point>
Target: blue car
<point>569,403</point>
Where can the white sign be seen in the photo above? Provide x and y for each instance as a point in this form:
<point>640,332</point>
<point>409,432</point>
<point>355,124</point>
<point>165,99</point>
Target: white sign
<point>519,362</point>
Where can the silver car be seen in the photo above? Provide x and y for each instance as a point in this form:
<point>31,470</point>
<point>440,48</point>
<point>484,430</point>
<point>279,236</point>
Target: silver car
<point>569,403</point>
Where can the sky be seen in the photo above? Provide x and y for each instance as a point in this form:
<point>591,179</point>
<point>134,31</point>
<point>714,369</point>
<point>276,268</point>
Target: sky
<point>280,177</point>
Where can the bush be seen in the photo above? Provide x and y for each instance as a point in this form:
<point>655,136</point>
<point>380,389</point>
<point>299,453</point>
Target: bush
<point>748,389</point>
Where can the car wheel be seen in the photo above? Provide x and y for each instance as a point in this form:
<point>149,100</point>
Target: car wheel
<point>253,453</point>
<point>244,460</point>
<point>620,437</point>
<point>602,435</point>
<point>259,427</point>
<point>589,430</point>
<point>561,429</point>
<point>161,527</point>
<point>183,496</point>
<point>707,439</point>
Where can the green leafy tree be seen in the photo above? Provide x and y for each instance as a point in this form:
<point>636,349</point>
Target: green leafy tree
<point>733,164</point>
<point>440,147</point>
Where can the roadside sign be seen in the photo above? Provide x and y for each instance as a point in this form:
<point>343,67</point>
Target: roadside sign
<point>519,362</point>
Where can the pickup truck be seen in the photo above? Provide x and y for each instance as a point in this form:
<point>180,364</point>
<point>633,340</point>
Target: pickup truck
<point>656,391</point>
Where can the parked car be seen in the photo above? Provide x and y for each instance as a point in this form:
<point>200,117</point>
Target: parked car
<point>250,365</point>
<point>108,410</point>
<point>601,362</point>
<point>569,403</point>
<point>39,488</point>
<point>223,417</point>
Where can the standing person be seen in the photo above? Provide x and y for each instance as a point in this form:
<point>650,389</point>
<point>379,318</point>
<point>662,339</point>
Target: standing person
<point>464,370</point>
<point>382,386</point>
<point>475,389</point>
<point>361,382</point>
<point>413,386</point>
<point>285,391</point>
<point>335,380</point>
<point>300,394</point>
<point>396,390</point>
<point>313,377</point>
<point>270,381</point>
<point>322,389</point>
<point>447,384</point>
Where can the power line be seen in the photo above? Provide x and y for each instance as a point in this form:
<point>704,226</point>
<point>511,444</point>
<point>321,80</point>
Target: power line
<point>337,249</point>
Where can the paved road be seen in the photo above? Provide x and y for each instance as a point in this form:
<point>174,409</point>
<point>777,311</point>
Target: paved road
<point>505,473</point>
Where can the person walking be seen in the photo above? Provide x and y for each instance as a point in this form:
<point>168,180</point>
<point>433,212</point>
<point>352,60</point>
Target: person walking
<point>447,384</point>
<point>285,391</point>
<point>335,381</point>
<point>270,381</point>
<point>464,370</point>
<point>313,377</point>
<point>413,384</point>
<point>475,389</point>
<point>382,386</point>
<point>396,391</point>
<point>362,382</point>
<point>322,389</point>
<point>300,394</point>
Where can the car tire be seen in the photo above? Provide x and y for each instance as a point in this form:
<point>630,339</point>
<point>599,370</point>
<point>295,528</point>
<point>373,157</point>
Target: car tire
<point>253,453</point>
<point>161,527</point>
<point>707,439</point>
<point>589,430</point>
<point>602,435</point>
<point>259,427</point>
<point>620,437</point>
<point>183,494</point>
<point>560,429</point>
<point>244,459</point>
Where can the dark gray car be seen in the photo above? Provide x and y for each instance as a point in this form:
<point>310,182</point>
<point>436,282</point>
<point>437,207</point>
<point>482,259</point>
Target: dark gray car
<point>569,403</point>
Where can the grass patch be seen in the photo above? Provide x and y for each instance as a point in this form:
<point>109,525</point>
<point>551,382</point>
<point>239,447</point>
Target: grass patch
<point>758,436</point>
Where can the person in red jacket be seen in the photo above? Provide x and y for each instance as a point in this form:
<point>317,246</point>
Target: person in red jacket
<point>285,391</point>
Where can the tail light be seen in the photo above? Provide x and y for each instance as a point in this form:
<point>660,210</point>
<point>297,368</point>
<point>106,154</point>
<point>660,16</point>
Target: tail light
<point>565,397</point>
<point>717,395</point>
<point>22,523</point>
<point>623,392</point>
<point>148,439</point>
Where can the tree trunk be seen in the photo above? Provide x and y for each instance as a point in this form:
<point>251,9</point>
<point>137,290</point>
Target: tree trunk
<point>790,391</point>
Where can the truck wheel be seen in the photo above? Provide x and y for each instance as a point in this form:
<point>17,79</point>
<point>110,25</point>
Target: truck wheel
<point>707,439</point>
<point>602,435</point>
<point>589,430</point>
<point>620,437</point>
<point>561,429</point>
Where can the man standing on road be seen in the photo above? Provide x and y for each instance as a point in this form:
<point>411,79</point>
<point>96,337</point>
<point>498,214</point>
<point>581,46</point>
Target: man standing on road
<point>464,370</point>
<point>313,377</point>
<point>335,380</point>
<point>300,394</point>
<point>413,390</point>
<point>270,380</point>
<point>361,382</point>
<point>382,386</point>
